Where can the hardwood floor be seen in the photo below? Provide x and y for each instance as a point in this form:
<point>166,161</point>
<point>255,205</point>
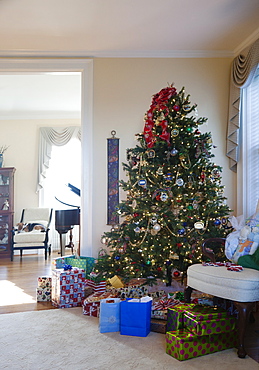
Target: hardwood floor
<point>18,283</point>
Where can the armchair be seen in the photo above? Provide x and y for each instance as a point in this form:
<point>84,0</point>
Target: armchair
<point>34,239</point>
<point>240,287</point>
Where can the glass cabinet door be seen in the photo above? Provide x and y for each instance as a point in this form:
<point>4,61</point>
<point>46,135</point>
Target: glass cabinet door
<point>4,232</point>
<point>4,192</point>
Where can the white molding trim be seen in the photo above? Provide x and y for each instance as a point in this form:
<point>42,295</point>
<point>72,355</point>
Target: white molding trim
<point>249,41</point>
<point>118,54</point>
<point>85,67</point>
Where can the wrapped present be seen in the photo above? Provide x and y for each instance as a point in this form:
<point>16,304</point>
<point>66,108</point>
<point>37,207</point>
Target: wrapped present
<point>175,316</point>
<point>91,308</point>
<point>67,287</point>
<point>91,304</point>
<point>160,307</point>
<point>206,327</point>
<point>116,282</point>
<point>43,294</point>
<point>85,263</point>
<point>96,287</point>
<point>158,326</point>
<point>157,294</point>
<point>183,344</point>
<point>44,282</point>
<point>202,312</point>
<point>136,316</point>
<point>132,292</point>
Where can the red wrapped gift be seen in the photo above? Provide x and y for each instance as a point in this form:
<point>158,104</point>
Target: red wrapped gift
<point>91,308</point>
<point>96,287</point>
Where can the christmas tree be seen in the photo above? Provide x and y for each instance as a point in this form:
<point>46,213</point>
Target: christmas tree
<point>174,196</point>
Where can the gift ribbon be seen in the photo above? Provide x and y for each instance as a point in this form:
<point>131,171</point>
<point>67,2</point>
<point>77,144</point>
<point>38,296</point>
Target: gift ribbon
<point>164,304</point>
<point>230,266</point>
<point>67,267</point>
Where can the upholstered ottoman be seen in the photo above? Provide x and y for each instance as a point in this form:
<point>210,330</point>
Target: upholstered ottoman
<point>241,287</point>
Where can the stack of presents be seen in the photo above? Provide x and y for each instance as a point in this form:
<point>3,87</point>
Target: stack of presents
<point>191,329</point>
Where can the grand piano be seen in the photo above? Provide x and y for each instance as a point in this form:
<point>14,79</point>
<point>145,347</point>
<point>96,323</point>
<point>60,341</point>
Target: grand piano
<point>65,220</point>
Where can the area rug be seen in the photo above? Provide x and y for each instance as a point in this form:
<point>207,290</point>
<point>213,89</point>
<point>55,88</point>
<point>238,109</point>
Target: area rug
<point>67,339</point>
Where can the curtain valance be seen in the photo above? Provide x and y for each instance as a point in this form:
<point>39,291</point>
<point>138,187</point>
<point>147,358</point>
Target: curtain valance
<point>242,73</point>
<point>50,136</point>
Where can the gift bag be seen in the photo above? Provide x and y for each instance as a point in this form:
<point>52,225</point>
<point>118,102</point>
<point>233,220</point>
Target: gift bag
<point>109,319</point>
<point>136,316</point>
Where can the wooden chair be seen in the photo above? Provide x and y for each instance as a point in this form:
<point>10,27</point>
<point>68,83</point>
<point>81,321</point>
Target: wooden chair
<point>34,239</point>
<point>240,287</point>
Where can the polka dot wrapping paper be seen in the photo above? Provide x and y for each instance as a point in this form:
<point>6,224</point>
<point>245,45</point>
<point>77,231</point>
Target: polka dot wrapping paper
<point>175,316</point>
<point>207,327</point>
<point>183,344</point>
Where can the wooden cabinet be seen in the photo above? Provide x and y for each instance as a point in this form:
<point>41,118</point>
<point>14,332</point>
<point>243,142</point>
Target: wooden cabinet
<point>6,209</point>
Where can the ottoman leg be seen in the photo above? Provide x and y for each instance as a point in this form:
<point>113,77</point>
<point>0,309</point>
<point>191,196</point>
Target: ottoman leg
<point>187,294</point>
<point>244,309</point>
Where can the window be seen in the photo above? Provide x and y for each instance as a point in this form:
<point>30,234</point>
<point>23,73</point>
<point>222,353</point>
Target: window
<point>64,168</point>
<point>248,182</point>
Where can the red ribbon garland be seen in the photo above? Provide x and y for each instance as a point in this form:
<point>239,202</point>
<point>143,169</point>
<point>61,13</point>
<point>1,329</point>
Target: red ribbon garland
<point>159,102</point>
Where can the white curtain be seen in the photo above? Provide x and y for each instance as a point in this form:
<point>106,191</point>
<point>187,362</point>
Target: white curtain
<point>50,136</point>
<point>242,73</point>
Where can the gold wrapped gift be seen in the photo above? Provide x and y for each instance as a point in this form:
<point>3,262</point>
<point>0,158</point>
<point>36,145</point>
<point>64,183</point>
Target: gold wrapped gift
<point>116,282</point>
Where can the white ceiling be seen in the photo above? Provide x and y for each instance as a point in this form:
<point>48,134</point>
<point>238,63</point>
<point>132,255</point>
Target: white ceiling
<point>126,27</point>
<point>112,28</point>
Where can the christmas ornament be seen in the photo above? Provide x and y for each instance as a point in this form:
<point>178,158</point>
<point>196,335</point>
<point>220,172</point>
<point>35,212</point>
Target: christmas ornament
<point>174,152</point>
<point>151,153</point>
<point>137,229</point>
<point>185,161</point>
<point>187,107</point>
<point>181,231</point>
<point>179,182</point>
<point>163,197</point>
<point>157,227</point>
<point>160,171</point>
<point>217,222</point>
<point>153,220</point>
<point>199,225</point>
<point>142,183</point>
<point>168,176</point>
<point>176,273</point>
<point>134,203</point>
<point>175,132</point>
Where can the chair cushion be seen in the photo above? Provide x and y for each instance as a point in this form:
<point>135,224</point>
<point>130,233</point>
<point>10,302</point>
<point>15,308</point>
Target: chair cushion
<point>34,236</point>
<point>240,286</point>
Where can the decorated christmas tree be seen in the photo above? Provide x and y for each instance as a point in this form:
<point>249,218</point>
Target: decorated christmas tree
<point>174,196</point>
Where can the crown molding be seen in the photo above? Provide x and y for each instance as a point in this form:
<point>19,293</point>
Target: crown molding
<point>117,54</point>
<point>249,41</point>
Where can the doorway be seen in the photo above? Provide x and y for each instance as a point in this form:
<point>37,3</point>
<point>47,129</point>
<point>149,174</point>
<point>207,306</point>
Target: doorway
<point>85,67</point>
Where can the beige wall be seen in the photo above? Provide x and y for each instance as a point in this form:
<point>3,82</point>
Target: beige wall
<point>122,94</point>
<point>22,136</point>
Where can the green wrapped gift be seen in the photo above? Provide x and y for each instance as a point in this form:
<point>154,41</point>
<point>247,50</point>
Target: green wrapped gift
<point>86,263</point>
<point>202,312</point>
<point>183,344</point>
<point>175,316</point>
<point>207,327</point>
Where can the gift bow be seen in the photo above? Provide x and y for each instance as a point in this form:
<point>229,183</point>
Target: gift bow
<point>163,304</point>
<point>230,266</point>
<point>67,267</point>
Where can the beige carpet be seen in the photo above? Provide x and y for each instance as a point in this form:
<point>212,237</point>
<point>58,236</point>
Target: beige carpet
<point>67,339</point>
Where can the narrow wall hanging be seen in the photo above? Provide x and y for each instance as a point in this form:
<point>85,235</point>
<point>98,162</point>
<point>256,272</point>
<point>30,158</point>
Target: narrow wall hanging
<point>113,179</point>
